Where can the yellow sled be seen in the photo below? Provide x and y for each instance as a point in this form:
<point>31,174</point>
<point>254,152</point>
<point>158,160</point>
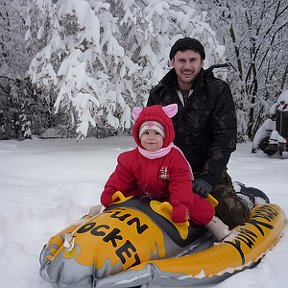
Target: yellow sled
<point>135,242</point>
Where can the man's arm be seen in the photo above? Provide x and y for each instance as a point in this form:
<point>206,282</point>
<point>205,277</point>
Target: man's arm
<point>224,135</point>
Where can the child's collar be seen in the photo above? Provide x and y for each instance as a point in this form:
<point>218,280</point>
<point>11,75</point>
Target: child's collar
<point>156,154</point>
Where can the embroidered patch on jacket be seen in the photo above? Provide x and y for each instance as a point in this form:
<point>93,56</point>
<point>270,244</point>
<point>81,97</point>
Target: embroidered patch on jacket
<point>164,173</point>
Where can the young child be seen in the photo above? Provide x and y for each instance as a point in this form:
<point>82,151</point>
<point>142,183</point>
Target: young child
<point>157,169</point>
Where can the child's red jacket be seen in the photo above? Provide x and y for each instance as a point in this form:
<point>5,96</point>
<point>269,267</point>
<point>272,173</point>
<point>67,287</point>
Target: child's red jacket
<point>166,178</point>
<point>163,179</point>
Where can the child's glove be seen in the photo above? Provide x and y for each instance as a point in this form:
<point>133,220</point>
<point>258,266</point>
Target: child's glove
<point>106,199</point>
<point>180,213</point>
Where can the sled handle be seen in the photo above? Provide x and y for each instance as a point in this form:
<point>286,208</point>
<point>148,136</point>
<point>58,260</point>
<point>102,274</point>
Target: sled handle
<point>165,209</point>
<point>118,198</point>
<point>213,201</point>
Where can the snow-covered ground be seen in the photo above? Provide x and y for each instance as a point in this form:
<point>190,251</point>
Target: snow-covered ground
<point>45,185</point>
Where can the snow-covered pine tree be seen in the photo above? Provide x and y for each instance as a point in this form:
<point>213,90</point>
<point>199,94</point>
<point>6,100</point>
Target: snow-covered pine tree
<point>100,58</point>
<point>256,40</point>
<point>13,66</point>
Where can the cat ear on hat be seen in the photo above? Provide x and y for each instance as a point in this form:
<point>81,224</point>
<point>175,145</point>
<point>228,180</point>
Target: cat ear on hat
<point>136,112</point>
<point>170,110</point>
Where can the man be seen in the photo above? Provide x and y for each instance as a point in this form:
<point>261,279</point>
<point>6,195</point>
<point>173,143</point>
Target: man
<point>205,126</point>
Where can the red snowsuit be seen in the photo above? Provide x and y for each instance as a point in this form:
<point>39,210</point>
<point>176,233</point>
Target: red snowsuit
<point>165,178</point>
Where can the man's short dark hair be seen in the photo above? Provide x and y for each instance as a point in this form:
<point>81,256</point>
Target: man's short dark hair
<point>187,43</point>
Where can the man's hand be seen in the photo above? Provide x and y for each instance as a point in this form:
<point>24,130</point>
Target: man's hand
<point>202,188</point>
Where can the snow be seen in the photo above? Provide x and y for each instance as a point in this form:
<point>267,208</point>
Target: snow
<point>268,128</point>
<point>96,47</point>
<point>264,130</point>
<point>282,101</point>
<point>48,184</point>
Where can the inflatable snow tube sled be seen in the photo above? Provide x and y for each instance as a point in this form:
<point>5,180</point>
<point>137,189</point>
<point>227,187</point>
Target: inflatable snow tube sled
<point>134,242</point>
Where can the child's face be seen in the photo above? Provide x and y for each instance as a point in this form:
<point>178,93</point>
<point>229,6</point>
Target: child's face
<point>151,140</point>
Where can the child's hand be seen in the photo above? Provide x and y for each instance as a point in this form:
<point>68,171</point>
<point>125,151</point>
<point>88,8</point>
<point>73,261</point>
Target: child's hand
<point>106,199</point>
<point>180,213</point>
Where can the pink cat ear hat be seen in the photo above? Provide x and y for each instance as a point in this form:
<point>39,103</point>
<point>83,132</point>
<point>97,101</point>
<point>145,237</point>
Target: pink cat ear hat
<point>159,118</point>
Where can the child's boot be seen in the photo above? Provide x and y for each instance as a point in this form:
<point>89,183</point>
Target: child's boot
<point>218,228</point>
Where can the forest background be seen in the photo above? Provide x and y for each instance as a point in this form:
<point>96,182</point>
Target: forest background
<point>75,68</point>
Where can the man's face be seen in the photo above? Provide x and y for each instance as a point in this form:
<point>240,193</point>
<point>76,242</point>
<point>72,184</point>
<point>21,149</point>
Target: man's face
<point>187,65</point>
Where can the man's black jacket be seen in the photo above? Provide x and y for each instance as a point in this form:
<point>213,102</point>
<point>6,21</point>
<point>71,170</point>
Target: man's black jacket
<point>206,127</point>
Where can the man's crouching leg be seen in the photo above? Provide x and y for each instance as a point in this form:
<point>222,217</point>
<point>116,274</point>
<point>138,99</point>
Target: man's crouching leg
<point>230,209</point>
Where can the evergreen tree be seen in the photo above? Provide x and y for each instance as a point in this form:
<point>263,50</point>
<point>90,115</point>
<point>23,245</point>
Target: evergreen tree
<point>13,66</point>
<point>256,40</point>
<point>100,58</point>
